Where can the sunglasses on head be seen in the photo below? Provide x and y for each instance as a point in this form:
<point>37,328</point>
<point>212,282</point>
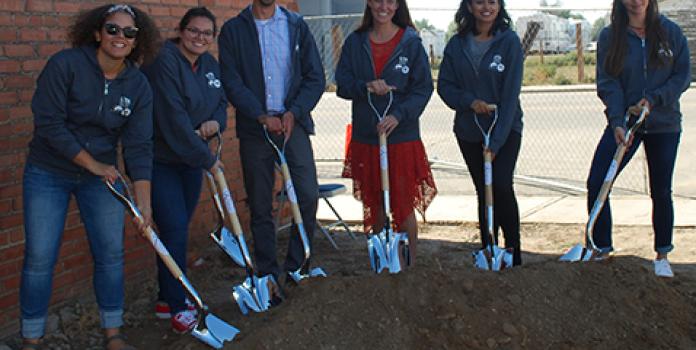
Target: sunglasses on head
<point>114,29</point>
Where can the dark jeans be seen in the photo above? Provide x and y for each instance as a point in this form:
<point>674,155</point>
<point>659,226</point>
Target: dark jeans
<point>506,214</point>
<point>175,192</point>
<point>258,159</point>
<point>661,153</point>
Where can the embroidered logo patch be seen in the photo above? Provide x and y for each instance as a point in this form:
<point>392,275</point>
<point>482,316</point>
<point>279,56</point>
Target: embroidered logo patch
<point>212,80</point>
<point>123,106</point>
<point>403,65</point>
<point>497,64</point>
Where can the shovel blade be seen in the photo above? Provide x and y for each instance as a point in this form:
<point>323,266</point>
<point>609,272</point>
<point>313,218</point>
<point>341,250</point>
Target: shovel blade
<point>298,276</point>
<point>253,295</point>
<point>577,253</point>
<point>230,245</point>
<point>215,332</point>
<point>502,258</point>
<point>386,254</point>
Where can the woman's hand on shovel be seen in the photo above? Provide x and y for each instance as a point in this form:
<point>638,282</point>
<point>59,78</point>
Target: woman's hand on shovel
<point>142,194</point>
<point>489,151</point>
<point>387,125</point>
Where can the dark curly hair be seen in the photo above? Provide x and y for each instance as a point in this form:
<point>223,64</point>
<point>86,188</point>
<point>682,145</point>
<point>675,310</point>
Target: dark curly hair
<point>81,32</point>
<point>466,22</point>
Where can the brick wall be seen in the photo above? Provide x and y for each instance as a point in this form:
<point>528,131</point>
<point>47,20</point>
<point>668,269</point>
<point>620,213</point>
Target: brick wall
<point>31,31</point>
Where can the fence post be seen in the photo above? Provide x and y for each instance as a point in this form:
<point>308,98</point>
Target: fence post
<point>578,46</point>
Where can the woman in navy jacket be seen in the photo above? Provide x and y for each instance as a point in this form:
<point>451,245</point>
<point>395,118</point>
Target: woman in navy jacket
<point>188,102</point>
<point>385,54</point>
<point>642,61</point>
<point>87,99</point>
<point>483,65</point>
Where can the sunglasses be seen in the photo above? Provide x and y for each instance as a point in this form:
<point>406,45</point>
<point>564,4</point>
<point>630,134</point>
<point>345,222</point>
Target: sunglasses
<point>114,29</point>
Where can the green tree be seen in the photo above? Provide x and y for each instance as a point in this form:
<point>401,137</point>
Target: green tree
<point>597,27</point>
<point>451,31</point>
<point>423,24</point>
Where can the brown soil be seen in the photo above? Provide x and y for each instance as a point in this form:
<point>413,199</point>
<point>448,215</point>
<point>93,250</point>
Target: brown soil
<point>445,303</point>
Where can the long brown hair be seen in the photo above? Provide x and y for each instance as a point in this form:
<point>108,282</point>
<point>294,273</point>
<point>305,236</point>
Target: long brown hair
<point>655,37</point>
<point>402,17</point>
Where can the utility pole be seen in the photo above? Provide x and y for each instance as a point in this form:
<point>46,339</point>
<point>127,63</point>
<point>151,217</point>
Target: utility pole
<point>578,46</point>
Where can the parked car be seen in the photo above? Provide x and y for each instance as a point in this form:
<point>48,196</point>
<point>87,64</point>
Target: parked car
<point>591,47</point>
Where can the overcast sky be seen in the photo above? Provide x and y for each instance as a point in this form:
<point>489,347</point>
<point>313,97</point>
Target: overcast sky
<point>441,12</point>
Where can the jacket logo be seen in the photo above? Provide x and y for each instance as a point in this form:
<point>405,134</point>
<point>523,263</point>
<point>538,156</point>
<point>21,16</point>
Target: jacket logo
<point>212,80</point>
<point>123,106</point>
<point>497,64</point>
<point>402,65</point>
<point>665,51</point>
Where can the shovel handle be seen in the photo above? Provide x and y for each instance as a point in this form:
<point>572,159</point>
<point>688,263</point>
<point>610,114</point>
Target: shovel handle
<point>383,161</point>
<point>290,192</point>
<point>229,203</point>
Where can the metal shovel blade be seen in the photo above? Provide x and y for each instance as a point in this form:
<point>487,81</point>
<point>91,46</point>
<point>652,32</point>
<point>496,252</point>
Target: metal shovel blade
<point>298,276</point>
<point>253,294</point>
<point>386,254</point>
<point>230,245</point>
<point>577,253</point>
<point>502,258</point>
<point>215,332</point>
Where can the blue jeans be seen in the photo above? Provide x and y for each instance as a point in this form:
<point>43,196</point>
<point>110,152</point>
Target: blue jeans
<point>661,153</point>
<point>175,192</point>
<point>46,196</point>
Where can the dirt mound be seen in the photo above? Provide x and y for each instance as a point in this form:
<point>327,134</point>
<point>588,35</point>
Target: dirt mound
<point>443,302</point>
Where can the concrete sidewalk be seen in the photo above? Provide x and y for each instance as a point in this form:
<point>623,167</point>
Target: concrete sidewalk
<point>626,210</point>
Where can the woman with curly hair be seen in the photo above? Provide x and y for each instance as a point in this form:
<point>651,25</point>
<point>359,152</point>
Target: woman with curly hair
<point>189,105</point>
<point>88,99</point>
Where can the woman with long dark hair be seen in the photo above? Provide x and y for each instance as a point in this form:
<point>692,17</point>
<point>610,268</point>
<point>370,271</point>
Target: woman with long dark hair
<point>189,107</point>
<point>385,55</point>
<point>87,100</point>
<point>642,62</point>
<point>482,66</point>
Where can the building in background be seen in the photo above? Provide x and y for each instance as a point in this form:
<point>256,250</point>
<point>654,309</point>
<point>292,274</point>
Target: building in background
<point>434,43</point>
<point>684,13</point>
<point>553,34</point>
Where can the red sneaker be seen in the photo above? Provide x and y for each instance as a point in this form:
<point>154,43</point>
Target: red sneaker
<point>163,312</point>
<point>183,322</point>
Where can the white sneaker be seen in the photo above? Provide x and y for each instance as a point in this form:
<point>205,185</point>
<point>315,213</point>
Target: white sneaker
<point>662,268</point>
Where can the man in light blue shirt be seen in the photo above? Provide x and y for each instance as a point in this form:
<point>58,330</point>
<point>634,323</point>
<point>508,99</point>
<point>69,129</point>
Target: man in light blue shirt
<point>273,76</point>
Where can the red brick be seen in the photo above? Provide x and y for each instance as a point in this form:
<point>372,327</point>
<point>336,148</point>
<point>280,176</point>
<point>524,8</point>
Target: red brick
<point>33,65</point>
<point>7,66</point>
<point>191,3</point>
<point>179,12</point>
<point>49,49</point>
<point>17,235</point>
<point>19,50</point>
<point>25,111</point>
<point>10,268</point>
<point>12,5</point>
<point>6,204</point>
<point>57,36</point>
<point>170,2</point>
<point>76,260</point>
<point>12,190</point>
<point>26,95</point>
<point>9,300</point>
<point>12,220</point>
<point>39,5</point>
<point>11,283</point>
<point>67,7</point>
<point>32,35</point>
<point>8,98</point>
<point>159,11</point>
<point>19,81</point>
<point>12,253</point>
<point>7,34</point>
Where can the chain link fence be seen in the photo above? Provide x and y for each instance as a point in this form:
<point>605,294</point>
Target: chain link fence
<point>562,127</point>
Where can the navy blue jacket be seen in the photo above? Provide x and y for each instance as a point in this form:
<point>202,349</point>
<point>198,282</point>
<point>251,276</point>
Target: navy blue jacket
<point>497,81</point>
<point>662,86</point>
<point>182,101</point>
<point>242,72</point>
<point>407,68</point>
<point>75,109</point>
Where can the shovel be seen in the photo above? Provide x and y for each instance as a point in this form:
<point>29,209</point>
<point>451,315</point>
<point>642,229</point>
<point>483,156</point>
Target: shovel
<point>386,247</point>
<point>253,294</point>
<point>297,275</point>
<point>491,258</point>
<point>209,328</point>
<point>589,251</point>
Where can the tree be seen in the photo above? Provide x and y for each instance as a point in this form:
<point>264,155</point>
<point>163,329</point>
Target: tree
<point>423,24</point>
<point>597,27</point>
<point>451,31</point>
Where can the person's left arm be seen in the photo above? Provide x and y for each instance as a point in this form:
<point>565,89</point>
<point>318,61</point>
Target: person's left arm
<point>312,71</point>
<point>669,92</point>
<point>509,96</point>
<point>420,87</point>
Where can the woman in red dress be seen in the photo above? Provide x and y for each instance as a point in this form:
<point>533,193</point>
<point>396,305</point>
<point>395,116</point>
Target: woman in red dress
<point>385,55</point>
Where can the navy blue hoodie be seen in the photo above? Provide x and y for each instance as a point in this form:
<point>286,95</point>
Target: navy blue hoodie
<point>242,72</point>
<point>407,69</point>
<point>661,86</point>
<point>182,101</point>
<point>498,80</point>
<point>76,109</point>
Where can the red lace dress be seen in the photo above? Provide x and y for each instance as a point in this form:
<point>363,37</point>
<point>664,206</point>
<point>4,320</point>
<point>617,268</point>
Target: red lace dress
<point>411,184</point>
